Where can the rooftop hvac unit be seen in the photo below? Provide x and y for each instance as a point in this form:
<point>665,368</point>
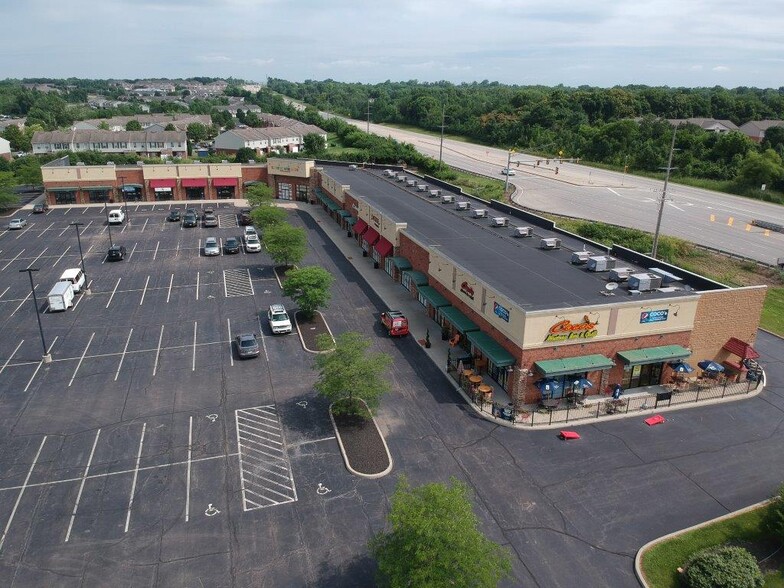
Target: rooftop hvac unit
<point>463,205</point>
<point>400,178</point>
<point>447,198</point>
<point>410,183</point>
<point>388,172</point>
<point>600,263</point>
<point>644,282</point>
<point>499,221</point>
<point>352,167</point>
<point>665,275</point>
<point>479,213</point>
<point>580,257</point>
<point>550,243</point>
<point>422,188</point>
<point>522,232</point>
<point>620,274</point>
<point>434,193</point>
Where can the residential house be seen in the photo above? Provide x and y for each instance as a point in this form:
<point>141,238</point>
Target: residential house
<point>755,129</point>
<point>150,144</point>
<point>709,124</point>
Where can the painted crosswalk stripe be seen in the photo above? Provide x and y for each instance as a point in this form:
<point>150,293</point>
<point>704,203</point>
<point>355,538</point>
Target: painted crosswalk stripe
<point>227,221</point>
<point>237,282</point>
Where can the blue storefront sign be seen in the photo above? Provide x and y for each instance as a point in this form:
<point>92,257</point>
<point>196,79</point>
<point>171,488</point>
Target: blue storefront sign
<point>501,312</point>
<point>654,316</point>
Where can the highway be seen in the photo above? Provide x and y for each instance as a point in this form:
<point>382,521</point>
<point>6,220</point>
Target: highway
<point>716,220</point>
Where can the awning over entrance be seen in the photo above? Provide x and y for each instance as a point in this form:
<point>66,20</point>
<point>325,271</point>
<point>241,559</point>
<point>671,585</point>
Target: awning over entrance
<point>491,349</point>
<point>194,182</point>
<point>96,188</point>
<point>654,354</point>
<point>460,321</point>
<point>71,189</point>
<point>418,278</point>
<point>371,236</point>
<point>401,263</point>
<point>251,182</point>
<point>163,183</point>
<point>344,213</point>
<point>433,296</point>
<point>223,182</point>
<point>383,247</point>
<point>740,348</point>
<point>360,227</point>
<point>574,365</point>
<point>131,187</point>
<point>351,220</point>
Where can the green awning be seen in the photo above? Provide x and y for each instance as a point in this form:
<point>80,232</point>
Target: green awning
<point>350,220</point>
<point>344,213</point>
<point>96,188</point>
<point>134,186</point>
<point>491,349</point>
<point>333,206</point>
<point>433,296</point>
<point>62,189</point>
<point>654,354</point>
<point>574,365</point>
<point>251,182</point>
<point>418,278</point>
<point>460,321</point>
<point>401,263</point>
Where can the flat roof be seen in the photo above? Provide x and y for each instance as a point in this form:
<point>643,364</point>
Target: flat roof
<point>533,278</point>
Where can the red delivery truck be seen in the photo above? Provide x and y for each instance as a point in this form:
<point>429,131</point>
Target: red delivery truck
<point>395,322</point>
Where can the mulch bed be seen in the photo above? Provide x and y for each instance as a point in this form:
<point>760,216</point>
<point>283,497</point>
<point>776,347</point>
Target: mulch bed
<point>310,329</point>
<point>362,442</point>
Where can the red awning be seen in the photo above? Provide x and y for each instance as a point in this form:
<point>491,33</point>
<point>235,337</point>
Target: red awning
<point>360,226</point>
<point>163,183</point>
<point>221,182</point>
<point>740,348</point>
<point>383,247</point>
<point>194,182</point>
<point>371,236</point>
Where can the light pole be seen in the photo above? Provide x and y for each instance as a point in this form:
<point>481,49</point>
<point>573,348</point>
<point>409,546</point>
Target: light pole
<point>441,147</point>
<point>108,224</point>
<point>663,196</point>
<point>46,357</point>
<point>79,241</point>
<point>370,101</point>
<point>125,202</point>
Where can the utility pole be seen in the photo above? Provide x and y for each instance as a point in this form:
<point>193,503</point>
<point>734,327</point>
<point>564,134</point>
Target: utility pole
<point>441,147</point>
<point>508,163</point>
<point>664,195</point>
<point>108,224</point>
<point>370,101</point>
<point>81,256</point>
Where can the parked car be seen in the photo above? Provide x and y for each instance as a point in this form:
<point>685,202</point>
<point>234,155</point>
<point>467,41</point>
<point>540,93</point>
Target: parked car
<point>247,345</point>
<point>211,247</point>
<point>116,253</point>
<point>250,231</point>
<point>116,216</point>
<point>17,223</point>
<point>507,172</point>
<point>243,218</point>
<point>252,243</point>
<point>174,215</point>
<point>190,220</point>
<point>209,220</point>
<point>207,211</point>
<point>40,207</point>
<point>232,245</point>
<point>278,319</point>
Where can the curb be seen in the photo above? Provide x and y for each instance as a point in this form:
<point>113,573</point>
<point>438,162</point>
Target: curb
<point>343,450</point>
<point>302,340</point>
<point>654,542</point>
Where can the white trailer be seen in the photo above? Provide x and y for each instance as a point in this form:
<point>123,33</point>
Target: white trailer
<point>61,296</point>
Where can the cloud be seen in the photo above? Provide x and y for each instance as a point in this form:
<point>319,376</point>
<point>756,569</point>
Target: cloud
<point>214,58</point>
<point>720,68</point>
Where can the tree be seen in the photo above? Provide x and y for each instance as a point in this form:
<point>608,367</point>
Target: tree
<point>133,125</point>
<point>17,138</point>
<point>434,540</point>
<point>723,567</point>
<point>245,154</point>
<point>774,518</point>
<point>7,197</point>
<point>197,132</point>
<point>252,120</point>
<point>348,372</point>
<point>760,168</point>
<point>285,244</point>
<point>103,125</point>
<point>309,288</point>
<point>267,215</point>
<point>258,195</point>
<point>170,127</point>
<point>313,143</point>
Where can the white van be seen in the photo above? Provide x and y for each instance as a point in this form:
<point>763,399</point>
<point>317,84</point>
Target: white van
<point>116,216</point>
<point>61,296</point>
<point>75,276</point>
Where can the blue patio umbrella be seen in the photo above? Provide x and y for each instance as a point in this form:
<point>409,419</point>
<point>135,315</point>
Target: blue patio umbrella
<point>583,383</point>
<point>710,366</point>
<point>547,386</point>
<point>681,367</point>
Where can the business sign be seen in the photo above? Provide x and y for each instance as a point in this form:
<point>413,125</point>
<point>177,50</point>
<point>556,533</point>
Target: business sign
<point>654,316</point>
<point>501,312</point>
<point>466,289</point>
<point>566,330</point>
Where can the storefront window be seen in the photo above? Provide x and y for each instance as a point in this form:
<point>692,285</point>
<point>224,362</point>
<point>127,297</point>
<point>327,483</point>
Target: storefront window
<point>302,193</point>
<point>164,194</point>
<point>131,194</point>
<point>284,191</point>
<point>635,376</point>
<point>225,192</point>
<point>98,195</point>
<point>406,282</point>
<point>194,193</point>
<point>68,197</point>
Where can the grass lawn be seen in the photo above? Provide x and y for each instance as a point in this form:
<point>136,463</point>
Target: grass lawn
<point>660,563</point>
<point>773,311</point>
<point>481,186</point>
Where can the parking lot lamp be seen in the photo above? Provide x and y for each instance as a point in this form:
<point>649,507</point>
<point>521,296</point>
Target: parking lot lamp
<point>125,202</point>
<point>108,224</point>
<point>46,357</point>
<point>81,256</point>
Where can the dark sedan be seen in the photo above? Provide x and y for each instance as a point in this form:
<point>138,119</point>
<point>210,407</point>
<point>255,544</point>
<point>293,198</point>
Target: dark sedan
<point>232,245</point>
<point>174,216</point>
<point>190,220</point>
<point>243,218</point>
<point>40,207</point>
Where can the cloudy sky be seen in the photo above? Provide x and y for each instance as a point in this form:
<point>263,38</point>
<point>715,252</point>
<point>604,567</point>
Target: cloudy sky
<point>572,42</point>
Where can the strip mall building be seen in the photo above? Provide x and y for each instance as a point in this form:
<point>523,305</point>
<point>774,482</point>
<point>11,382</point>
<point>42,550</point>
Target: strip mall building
<point>521,299</point>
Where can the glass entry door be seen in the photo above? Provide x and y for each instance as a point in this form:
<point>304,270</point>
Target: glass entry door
<point>642,375</point>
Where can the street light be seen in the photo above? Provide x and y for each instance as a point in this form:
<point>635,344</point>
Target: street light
<point>370,101</point>
<point>46,357</point>
<point>79,241</point>
<point>108,224</point>
<point>508,163</point>
<point>125,202</point>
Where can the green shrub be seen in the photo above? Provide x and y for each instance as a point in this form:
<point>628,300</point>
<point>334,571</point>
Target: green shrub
<point>774,520</point>
<point>723,567</point>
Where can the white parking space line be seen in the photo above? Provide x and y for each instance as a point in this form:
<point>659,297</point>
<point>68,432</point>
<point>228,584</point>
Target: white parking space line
<point>78,302</point>
<point>135,477</point>
<point>90,248</point>
<point>85,227</point>
<point>42,232</point>
<point>263,338</point>
<point>193,366</point>
<point>125,226</point>
<point>13,260</point>
<point>29,226</point>
<point>63,231</point>
<point>145,224</point>
<point>144,291</point>
<point>4,291</point>
<point>113,291</point>
<point>81,359</point>
<point>81,486</point>
<point>21,493</point>
<point>32,263</point>
<point>197,285</point>
<point>10,357</point>
<point>154,255</point>
<point>61,256</point>
<point>220,239</point>
<point>21,303</point>
<point>188,471</point>
<point>38,367</point>
<point>67,210</point>
<point>231,345</point>
<point>132,251</point>
<point>157,353</point>
<point>85,209</point>
<point>122,357</point>
<point>168,295</point>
